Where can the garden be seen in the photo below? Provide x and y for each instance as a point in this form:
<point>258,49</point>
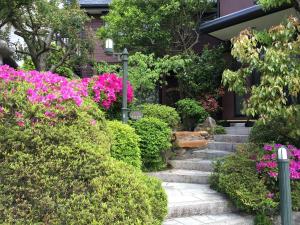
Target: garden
<point>65,155</point>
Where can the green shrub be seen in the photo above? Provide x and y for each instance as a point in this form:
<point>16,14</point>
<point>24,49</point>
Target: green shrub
<point>162,112</point>
<point>191,112</point>
<point>155,140</point>
<point>276,130</point>
<point>55,167</point>
<point>236,177</point>
<point>219,130</point>
<point>63,175</point>
<point>125,143</point>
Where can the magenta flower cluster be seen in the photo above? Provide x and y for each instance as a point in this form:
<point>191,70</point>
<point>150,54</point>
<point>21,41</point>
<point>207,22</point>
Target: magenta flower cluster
<point>110,86</point>
<point>268,162</point>
<point>51,89</point>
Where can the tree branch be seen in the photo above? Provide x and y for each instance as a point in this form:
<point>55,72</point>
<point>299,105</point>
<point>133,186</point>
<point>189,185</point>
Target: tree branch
<point>62,60</point>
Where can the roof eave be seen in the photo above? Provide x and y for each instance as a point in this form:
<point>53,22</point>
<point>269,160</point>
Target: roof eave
<point>238,17</point>
<point>94,6</point>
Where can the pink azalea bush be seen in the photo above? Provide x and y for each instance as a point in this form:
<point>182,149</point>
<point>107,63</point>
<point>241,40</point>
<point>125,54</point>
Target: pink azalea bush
<point>34,96</point>
<point>267,163</point>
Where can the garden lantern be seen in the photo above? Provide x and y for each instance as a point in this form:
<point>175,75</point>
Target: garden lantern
<point>109,49</point>
<point>284,187</point>
<point>109,46</point>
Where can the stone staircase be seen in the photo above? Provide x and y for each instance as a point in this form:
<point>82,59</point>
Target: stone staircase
<point>190,199</point>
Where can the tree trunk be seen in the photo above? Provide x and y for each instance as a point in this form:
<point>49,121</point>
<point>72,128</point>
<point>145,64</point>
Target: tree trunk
<point>41,62</point>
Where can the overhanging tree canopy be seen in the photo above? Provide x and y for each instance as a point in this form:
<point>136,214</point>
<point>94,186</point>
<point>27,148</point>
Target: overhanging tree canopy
<point>46,27</point>
<point>161,26</point>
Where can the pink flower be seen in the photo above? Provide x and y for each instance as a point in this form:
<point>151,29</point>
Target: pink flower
<point>270,195</point>
<point>18,115</point>
<point>93,122</point>
<point>272,174</point>
<point>268,147</point>
<point>21,123</point>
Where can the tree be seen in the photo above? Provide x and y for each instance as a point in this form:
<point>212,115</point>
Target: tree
<point>268,4</point>
<point>161,26</point>
<point>275,54</point>
<point>47,27</point>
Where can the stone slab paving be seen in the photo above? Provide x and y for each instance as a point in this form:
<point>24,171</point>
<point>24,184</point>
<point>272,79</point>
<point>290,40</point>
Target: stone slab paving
<point>192,164</point>
<point>183,176</point>
<point>225,219</point>
<point>194,199</point>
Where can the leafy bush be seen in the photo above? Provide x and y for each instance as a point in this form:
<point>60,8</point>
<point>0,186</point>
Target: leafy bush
<point>219,130</point>
<point>162,112</point>
<point>155,140</point>
<point>277,130</point>
<point>250,184</point>
<point>191,112</point>
<point>60,175</point>
<point>125,144</point>
<point>55,166</point>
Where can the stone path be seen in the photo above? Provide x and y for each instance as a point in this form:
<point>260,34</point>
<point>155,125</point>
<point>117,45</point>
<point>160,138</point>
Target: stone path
<point>190,199</point>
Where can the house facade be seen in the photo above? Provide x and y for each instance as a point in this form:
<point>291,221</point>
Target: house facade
<point>231,17</point>
<point>235,16</point>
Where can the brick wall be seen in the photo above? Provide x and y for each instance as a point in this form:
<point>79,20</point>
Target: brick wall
<point>230,6</point>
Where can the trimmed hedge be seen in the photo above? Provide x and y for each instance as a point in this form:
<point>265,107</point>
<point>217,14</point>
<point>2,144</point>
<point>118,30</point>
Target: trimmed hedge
<point>54,175</point>
<point>125,144</point>
<point>155,141</point>
<point>237,177</point>
<point>162,112</point>
<point>191,113</point>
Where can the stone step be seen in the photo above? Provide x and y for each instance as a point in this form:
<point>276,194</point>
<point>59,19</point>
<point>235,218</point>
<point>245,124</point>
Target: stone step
<point>231,138</point>
<point>186,200</point>
<point>192,164</point>
<point>237,124</point>
<point>238,130</point>
<point>202,154</point>
<point>225,146</point>
<point>182,176</point>
<point>222,219</point>
<point>191,144</point>
<point>190,135</point>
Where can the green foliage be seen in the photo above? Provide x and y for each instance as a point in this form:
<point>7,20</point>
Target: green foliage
<point>125,144</point>
<point>104,67</point>
<point>269,4</point>
<point>262,219</point>
<point>151,26</point>
<point>191,112</point>
<point>236,176</point>
<point>277,130</point>
<point>219,130</point>
<point>58,170</point>
<point>202,73</point>
<point>278,65</point>
<point>155,139</point>
<point>41,23</point>
<point>165,113</point>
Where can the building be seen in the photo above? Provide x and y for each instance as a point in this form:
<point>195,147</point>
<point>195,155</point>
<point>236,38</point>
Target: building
<point>235,16</point>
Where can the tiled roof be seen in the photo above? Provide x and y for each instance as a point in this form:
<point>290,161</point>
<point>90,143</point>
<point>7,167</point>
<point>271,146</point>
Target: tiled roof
<point>94,2</point>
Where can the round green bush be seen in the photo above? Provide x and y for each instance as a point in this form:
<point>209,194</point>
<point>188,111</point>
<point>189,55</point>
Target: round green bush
<point>63,175</point>
<point>191,112</point>
<point>125,143</point>
<point>155,138</point>
<point>237,177</point>
<point>165,113</point>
